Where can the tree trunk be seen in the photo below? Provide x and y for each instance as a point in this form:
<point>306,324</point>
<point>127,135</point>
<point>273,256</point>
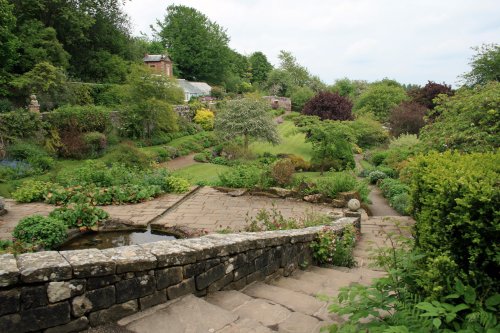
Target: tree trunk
<point>245,141</point>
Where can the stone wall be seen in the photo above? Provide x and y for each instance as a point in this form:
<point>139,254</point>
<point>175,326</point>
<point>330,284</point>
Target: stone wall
<point>68,291</point>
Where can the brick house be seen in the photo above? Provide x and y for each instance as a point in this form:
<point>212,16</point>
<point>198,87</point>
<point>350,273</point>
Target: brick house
<point>160,63</point>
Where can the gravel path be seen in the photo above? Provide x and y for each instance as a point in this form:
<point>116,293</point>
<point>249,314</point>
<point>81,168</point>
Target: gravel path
<point>180,162</point>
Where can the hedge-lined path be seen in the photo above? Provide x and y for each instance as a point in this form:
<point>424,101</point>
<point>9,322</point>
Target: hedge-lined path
<point>379,205</point>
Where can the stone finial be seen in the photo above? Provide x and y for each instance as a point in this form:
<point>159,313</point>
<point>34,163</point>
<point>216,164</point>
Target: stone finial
<point>34,105</point>
<point>353,205</point>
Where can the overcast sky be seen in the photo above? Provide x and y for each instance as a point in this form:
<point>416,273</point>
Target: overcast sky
<point>411,41</point>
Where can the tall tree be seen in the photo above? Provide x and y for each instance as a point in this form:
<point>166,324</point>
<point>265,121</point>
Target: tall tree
<point>84,27</point>
<point>485,65</point>
<point>198,47</point>
<point>8,44</point>
<point>260,67</point>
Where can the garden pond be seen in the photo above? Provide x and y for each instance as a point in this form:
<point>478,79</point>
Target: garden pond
<point>108,239</point>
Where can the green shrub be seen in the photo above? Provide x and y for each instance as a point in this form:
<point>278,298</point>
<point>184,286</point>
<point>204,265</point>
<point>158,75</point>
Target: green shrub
<point>299,163</point>
<point>88,118</point>
<point>128,154</point>
<point>400,149</point>
<point>20,124</point>
<point>401,203</point>
<point>368,132</point>
<point>390,172</point>
<point>244,176</point>
<point>455,200</point>
<point>378,158</point>
<point>375,176</point>
<point>176,184</point>
<point>282,172</point>
<point>46,232</point>
<point>96,143</point>
<point>332,248</point>
<point>80,215</point>
<point>5,105</point>
<point>335,183</point>
<point>31,191</point>
<point>35,155</point>
<point>392,187</point>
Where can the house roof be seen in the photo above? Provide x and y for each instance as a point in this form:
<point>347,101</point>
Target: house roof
<point>155,58</point>
<point>194,88</point>
<point>204,87</point>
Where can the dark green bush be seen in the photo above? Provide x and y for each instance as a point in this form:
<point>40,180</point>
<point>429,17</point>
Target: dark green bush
<point>80,215</point>
<point>88,118</point>
<point>128,154</point>
<point>96,143</point>
<point>46,232</point>
<point>34,155</point>
<point>378,157</point>
<point>455,201</point>
<point>392,187</point>
<point>19,124</point>
<point>5,105</point>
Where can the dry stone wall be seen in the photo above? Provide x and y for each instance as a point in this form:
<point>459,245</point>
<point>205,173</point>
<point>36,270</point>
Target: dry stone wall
<point>68,291</point>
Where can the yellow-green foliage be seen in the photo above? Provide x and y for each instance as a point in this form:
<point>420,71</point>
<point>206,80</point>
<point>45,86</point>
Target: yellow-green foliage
<point>455,201</point>
<point>205,118</point>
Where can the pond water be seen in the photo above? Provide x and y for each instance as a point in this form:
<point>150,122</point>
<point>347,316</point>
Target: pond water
<point>108,239</point>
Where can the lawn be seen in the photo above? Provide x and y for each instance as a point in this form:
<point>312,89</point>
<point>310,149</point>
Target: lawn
<point>292,142</point>
<point>206,173</point>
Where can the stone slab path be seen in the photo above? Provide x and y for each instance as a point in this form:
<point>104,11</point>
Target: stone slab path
<point>212,210</point>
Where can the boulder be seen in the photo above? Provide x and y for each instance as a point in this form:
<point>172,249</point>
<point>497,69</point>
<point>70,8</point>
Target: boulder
<point>3,211</point>
<point>238,192</point>
<point>314,198</point>
<point>338,203</point>
<point>281,192</point>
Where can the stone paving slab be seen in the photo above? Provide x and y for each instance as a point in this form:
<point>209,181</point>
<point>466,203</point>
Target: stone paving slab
<point>190,314</point>
<point>291,299</point>
<point>213,210</point>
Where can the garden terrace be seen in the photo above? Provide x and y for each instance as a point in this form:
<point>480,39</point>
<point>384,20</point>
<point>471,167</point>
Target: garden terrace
<point>70,290</point>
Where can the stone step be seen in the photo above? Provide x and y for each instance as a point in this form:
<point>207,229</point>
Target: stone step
<point>266,312</point>
<point>186,314</point>
<point>310,288</point>
<point>293,300</point>
<point>360,275</point>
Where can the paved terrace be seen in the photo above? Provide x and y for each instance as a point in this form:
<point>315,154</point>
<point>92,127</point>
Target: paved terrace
<point>205,208</point>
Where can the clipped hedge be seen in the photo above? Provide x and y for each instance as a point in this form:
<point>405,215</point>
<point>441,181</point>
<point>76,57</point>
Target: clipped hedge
<point>455,201</point>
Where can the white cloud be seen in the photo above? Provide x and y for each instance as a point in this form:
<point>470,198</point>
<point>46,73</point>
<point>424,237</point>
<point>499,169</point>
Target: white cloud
<point>410,41</point>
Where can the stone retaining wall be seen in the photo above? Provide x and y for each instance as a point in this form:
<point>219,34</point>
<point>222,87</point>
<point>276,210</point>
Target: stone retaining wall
<point>68,291</point>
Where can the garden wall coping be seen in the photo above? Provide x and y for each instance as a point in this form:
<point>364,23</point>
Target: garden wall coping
<point>80,286</point>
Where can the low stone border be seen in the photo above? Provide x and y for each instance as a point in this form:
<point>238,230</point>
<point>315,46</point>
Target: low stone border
<point>67,291</point>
